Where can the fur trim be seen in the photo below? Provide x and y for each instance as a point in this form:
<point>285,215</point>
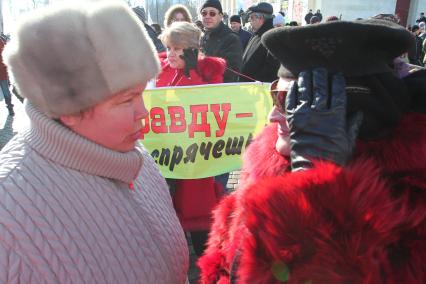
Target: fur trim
<point>261,159</point>
<point>411,131</point>
<point>212,69</point>
<point>68,57</point>
<point>364,223</point>
<point>325,225</point>
<point>223,242</point>
<point>177,8</point>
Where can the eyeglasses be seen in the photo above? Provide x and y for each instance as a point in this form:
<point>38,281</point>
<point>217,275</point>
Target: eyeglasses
<point>254,16</point>
<point>278,96</point>
<point>210,13</point>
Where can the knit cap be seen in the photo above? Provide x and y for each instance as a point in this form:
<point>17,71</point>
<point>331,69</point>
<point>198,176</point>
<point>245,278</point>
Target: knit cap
<point>212,3</point>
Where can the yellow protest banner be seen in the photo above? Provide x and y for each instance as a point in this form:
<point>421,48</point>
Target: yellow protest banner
<point>202,131</point>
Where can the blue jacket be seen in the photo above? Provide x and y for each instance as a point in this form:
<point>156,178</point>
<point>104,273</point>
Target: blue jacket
<point>244,37</point>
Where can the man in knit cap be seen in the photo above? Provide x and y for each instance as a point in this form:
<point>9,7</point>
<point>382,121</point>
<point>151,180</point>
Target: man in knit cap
<point>219,40</point>
<point>236,28</point>
<point>81,200</point>
<point>334,190</point>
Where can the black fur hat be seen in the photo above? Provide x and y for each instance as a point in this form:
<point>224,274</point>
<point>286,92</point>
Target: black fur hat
<point>355,48</point>
<point>364,52</point>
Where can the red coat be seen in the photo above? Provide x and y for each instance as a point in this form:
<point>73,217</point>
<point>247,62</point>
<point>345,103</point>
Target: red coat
<point>363,223</point>
<point>194,199</point>
<point>210,71</point>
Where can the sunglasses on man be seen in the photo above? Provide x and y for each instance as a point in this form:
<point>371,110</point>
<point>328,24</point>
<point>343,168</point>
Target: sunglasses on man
<point>210,13</point>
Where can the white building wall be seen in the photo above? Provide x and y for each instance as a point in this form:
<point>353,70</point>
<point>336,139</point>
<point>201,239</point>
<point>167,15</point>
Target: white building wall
<point>352,9</point>
<point>416,7</point>
<point>297,10</point>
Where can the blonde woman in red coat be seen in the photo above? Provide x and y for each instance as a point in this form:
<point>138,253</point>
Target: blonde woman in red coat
<point>181,65</point>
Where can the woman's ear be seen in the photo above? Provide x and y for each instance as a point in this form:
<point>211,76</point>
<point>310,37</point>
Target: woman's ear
<point>70,120</point>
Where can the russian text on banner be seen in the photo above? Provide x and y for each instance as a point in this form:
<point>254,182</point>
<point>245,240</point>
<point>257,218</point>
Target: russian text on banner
<point>202,131</point>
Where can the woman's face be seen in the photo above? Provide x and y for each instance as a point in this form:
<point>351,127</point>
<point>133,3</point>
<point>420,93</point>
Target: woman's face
<point>114,123</point>
<point>173,56</point>
<point>279,90</point>
<point>178,17</point>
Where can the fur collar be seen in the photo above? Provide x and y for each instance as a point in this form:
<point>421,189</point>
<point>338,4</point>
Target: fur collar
<point>261,160</point>
<point>328,224</point>
<point>211,69</point>
<point>350,228</point>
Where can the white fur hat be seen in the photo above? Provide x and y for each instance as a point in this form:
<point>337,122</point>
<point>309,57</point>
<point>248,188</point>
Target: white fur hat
<point>67,58</point>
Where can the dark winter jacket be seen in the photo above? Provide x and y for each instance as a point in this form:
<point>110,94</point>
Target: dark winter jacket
<point>140,13</point>
<point>415,52</point>
<point>223,42</point>
<point>153,35</point>
<point>244,37</point>
<point>308,17</point>
<point>258,63</point>
<point>319,16</point>
<point>421,19</point>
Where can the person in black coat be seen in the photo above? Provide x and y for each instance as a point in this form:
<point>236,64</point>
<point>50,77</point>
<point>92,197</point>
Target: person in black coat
<point>219,40</point>
<point>244,35</point>
<point>308,17</point>
<point>140,12</point>
<point>415,52</point>
<point>318,15</point>
<point>422,18</point>
<point>258,63</point>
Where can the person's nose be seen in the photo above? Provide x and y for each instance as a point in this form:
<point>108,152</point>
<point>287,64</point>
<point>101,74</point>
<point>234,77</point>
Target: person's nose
<point>140,110</point>
<point>275,115</point>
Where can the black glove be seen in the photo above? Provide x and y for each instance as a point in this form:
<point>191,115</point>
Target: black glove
<point>190,56</point>
<point>317,120</point>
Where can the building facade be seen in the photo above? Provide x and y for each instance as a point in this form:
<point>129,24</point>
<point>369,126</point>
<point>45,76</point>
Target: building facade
<point>408,10</point>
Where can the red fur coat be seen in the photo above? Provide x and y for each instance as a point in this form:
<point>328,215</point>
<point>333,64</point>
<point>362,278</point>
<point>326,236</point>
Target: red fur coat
<point>364,223</point>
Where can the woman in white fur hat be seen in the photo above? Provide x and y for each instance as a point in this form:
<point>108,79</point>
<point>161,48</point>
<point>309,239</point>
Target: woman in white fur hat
<point>81,201</point>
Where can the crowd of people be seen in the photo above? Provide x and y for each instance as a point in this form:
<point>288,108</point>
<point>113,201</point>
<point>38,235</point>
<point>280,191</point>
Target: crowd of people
<point>333,190</point>
<point>417,54</point>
